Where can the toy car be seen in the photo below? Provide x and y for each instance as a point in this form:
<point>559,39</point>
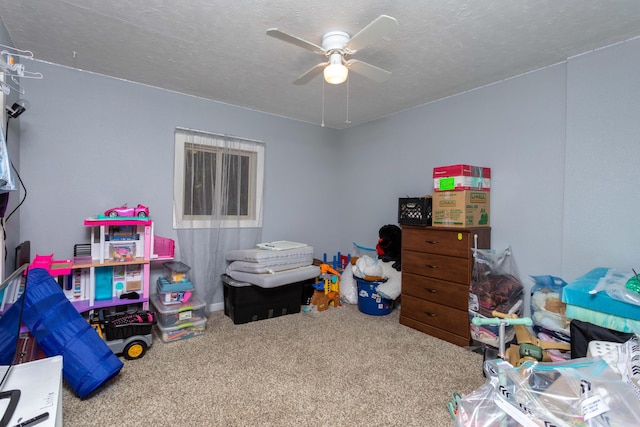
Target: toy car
<point>126,334</point>
<point>140,211</point>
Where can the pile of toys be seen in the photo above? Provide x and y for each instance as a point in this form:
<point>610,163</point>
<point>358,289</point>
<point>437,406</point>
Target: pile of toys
<point>181,313</point>
<point>327,287</point>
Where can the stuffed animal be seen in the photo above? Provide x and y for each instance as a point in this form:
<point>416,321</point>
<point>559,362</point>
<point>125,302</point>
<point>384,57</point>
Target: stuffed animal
<point>389,245</point>
<point>549,312</point>
<point>320,300</point>
<point>376,270</point>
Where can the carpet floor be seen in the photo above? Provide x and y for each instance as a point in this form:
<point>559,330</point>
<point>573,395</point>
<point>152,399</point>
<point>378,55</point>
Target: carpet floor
<point>338,367</point>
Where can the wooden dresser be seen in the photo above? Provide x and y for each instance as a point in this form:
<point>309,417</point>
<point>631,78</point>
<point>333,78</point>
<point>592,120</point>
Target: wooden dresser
<point>437,263</point>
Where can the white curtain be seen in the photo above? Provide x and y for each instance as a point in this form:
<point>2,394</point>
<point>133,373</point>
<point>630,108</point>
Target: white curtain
<point>222,183</point>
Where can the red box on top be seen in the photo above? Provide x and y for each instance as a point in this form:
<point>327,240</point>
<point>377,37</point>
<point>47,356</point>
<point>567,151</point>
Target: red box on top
<point>461,170</point>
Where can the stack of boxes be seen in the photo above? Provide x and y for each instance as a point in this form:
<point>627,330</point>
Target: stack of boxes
<point>461,196</point>
<point>181,313</point>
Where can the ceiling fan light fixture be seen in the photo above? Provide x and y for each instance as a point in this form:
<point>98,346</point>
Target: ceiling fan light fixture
<point>335,73</point>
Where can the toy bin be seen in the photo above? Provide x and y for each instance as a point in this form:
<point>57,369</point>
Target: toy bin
<point>174,293</point>
<point>415,210</point>
<point>177,314</point>
<point>176,271</point>
<point>369,302</point>
<point>244,302</point>
<point>124,325</point>
<point>182,331</point>
<point>163,247</point>
<point>122,252</point>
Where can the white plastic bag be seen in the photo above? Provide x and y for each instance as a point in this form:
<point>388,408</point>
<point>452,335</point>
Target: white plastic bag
<point>547,309</point>
<point>614,283</point>
<point>348,288</point>
<point>7,180</point>
<point>584,391</point>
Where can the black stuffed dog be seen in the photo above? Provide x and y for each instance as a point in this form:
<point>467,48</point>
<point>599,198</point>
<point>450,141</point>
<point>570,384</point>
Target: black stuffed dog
<point>389,244</point>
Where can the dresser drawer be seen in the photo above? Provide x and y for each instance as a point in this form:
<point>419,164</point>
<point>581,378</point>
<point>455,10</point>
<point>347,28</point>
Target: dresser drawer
<point>440,292</point>
<point>434,240</point>
<point>437,266</point>
<point>462,341</point>
<point>436,315</point>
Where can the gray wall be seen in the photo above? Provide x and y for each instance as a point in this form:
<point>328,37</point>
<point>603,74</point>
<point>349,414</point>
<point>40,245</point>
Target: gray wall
<point>12,219</point>
<point>564,147</point>
<point>90,142</point>
<point>515,127</point>
<point>602,185</point>
<point>562,143</point>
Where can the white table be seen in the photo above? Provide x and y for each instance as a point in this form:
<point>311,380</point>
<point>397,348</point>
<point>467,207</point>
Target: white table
<point>40,385</point>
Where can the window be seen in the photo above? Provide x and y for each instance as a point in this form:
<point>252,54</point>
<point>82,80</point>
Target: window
<point>218,180</point>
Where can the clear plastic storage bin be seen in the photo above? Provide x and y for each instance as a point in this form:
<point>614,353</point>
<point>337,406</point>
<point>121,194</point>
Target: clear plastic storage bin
<point>176,314</point>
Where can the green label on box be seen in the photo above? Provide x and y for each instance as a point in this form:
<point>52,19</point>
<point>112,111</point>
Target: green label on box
<point>447,183</point>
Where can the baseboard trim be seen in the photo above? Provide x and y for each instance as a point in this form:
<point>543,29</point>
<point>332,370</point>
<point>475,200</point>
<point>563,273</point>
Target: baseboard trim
<point>217,306</point>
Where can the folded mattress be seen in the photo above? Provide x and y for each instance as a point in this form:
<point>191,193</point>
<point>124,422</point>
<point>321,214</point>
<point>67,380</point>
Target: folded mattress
<point>279,278</point>
<point>270,266</point>
<point>267,257</point>
<point>609,321</point>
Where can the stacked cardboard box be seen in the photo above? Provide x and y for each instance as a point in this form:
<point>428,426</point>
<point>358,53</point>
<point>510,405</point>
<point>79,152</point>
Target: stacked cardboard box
<point>461,196</point>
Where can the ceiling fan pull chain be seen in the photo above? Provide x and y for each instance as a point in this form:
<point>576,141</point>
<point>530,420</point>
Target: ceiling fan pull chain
<point>322,124</point>
<point>348,121</point>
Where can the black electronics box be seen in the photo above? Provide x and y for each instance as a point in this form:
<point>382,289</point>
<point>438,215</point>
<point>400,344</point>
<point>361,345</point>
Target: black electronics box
<point>414,210</point>
<point>244,302</point>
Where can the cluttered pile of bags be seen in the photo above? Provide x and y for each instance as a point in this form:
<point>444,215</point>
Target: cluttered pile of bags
<point>495,286</point>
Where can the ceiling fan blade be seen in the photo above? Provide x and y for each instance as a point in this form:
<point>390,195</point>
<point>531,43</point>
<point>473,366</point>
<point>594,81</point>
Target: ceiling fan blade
<point>370,71</point>
<point>276,33</point>
<point>309,75</point>
<point>378,28</point>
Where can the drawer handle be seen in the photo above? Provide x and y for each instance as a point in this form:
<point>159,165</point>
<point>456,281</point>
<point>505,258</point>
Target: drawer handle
<point>433,291</point>
<point>432,242</point>
<point>430,314</point>
<point>431,266</point>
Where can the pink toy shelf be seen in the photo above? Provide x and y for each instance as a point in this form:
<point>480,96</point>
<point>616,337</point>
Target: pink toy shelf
<point>163,248</point>
<point>116,221</point>
<point>55,267</point>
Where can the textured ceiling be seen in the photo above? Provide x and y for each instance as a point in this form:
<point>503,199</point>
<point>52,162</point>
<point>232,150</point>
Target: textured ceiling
<point>219,50</point>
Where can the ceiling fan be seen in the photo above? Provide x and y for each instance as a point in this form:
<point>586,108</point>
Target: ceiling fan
<point>337,46</point>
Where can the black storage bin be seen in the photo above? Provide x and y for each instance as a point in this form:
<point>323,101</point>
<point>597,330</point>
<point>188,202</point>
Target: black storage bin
<point>414,211</point>
<point>125,325</point>
<point>245,303</point>
<point>582,333</point>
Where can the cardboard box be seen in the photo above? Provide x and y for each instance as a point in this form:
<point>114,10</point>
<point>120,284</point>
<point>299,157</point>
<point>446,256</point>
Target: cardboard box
<point>461,170</point>
<point>467,208</point>
<point>456,183</point>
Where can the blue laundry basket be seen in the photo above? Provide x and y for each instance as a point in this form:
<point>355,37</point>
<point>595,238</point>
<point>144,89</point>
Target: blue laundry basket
<point>369,301</point>
<point>87,361</point>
